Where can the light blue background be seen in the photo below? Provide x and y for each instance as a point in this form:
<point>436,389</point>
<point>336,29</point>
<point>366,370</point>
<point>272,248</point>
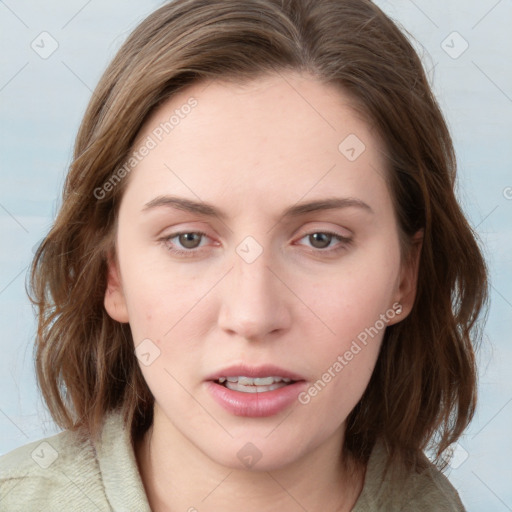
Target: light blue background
<point>42,102</point>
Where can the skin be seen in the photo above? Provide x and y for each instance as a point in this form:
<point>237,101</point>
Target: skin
<point>252,151</point>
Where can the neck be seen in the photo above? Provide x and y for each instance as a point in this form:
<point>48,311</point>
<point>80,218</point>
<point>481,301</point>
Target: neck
<point>179,476</point>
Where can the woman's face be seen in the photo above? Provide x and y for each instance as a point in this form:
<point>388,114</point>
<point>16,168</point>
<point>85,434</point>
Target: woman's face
<point>296,276</point>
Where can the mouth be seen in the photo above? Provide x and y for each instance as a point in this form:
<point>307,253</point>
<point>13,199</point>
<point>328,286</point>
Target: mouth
<point>252,391</point>
<point>246,384</point>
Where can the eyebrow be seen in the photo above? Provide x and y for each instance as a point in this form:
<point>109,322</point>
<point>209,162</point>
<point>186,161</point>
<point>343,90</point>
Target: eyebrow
<point>206,209</point>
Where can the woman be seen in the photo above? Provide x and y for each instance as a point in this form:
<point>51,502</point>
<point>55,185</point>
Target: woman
<point>260,292</point>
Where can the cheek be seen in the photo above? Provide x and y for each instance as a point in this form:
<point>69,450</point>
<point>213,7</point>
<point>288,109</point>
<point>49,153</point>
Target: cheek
<point>351,310</point>
<point>167,316</point>
<point>340,386</point>
<point>157,295</point>
<point>343,360</point>
<point>349,303</point>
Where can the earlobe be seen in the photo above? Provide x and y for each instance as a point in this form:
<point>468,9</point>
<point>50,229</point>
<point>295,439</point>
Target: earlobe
<point>114,300</point>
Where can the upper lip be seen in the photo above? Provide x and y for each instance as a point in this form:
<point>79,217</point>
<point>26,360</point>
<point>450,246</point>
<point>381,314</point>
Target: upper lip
<point>267,370</point>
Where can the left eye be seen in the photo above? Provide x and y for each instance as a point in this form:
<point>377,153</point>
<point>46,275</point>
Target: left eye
<point>323,239</point>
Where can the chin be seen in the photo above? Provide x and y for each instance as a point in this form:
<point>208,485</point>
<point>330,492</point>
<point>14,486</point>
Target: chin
<point>255,453</point>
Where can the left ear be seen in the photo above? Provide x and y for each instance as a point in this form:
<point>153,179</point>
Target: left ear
<point>406,291</point>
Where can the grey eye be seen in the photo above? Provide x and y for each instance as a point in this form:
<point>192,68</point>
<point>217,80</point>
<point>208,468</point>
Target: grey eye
<point>190,240</point>
<point>320,240</point>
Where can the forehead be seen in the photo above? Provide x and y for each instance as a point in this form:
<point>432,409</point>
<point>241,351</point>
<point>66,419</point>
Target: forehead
<point>282,135</point>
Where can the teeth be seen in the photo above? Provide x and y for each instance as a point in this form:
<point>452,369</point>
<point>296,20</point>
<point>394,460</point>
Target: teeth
<point>261,381</point>
<point>236,386</point>
<point>254,385</point>
<point>258,381</point>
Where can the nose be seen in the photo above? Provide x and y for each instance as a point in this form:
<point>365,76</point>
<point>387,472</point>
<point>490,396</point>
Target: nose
<point>255,302</point>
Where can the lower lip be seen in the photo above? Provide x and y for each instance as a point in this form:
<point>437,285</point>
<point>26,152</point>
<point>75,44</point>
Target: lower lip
<point>255,405</point>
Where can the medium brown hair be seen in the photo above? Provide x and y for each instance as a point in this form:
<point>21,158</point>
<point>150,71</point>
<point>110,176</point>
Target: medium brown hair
<point>423,388</point>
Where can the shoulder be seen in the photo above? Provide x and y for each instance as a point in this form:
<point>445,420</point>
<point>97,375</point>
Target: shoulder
<point>50,474</point>
<point>71,471</point>
<point>425,490</point>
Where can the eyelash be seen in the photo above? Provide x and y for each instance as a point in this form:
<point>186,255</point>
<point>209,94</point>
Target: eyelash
<point>345,242</point>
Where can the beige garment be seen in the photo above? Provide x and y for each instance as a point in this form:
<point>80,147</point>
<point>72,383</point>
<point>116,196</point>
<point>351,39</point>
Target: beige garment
<point>68,473</point>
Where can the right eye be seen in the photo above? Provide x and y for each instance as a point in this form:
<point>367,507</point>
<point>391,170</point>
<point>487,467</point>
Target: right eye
<point>186,239</point>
